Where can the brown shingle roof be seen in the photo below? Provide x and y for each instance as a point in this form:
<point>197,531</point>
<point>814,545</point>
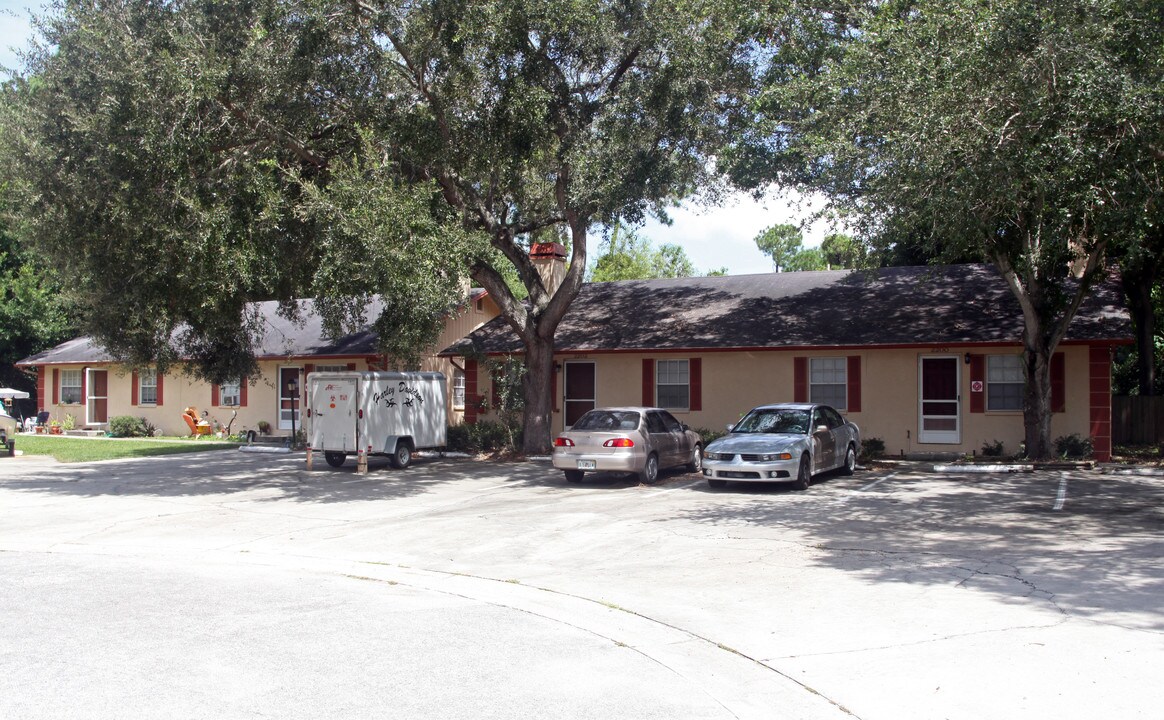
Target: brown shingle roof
<point>949,304</point>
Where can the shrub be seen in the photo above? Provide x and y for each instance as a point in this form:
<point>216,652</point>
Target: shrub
<point>992,449</point>
<point>484,436</point>
<point>872,448</point>
<point>127,426</point>
<point>706,436</point>
<point>1073,447</point>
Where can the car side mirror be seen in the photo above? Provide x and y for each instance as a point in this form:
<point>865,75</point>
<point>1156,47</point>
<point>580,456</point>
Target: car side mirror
<point>684,426</point>
<point>822,428</point>
<point>729,427</point>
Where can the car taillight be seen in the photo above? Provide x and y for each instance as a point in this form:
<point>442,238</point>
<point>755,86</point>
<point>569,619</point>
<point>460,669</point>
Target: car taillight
<point>619,442</point>
<point>563,442</point>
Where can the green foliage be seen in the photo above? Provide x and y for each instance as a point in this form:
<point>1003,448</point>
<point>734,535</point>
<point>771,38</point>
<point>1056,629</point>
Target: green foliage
<point>992,448</point>
<point>872,448</point>
<point>218,153</point>
<point>67,450</point>
<point>1025,133</point>
<point>706,436</point>
<point>781,243</point>
<point>844,251</point>
<point>483,437</point>
<point>1073,447</point>
<point>127,426</point>
<point>628,256</point>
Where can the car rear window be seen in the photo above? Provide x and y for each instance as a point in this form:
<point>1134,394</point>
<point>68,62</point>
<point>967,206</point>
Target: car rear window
<point>608,420</point>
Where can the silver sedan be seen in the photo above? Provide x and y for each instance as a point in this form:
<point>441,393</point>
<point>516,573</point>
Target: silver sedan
<point>788,442</point>
<point>637,440</point>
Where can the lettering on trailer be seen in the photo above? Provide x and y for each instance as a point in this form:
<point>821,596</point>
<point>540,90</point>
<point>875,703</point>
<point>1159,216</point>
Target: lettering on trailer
<point>409,395</point>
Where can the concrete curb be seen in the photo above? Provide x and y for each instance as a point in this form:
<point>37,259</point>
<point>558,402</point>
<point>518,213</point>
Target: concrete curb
<point>984,469</point>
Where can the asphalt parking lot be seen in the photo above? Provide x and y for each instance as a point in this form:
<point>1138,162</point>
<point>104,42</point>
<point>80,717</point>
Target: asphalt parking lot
<point>236,585</point>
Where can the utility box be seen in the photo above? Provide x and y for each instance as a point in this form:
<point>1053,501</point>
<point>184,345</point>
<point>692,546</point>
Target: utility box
<point>376,413</point>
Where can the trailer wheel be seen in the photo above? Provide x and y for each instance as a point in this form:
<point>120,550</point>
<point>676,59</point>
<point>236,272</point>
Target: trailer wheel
<point>335,459</point>
<point>402,456</point>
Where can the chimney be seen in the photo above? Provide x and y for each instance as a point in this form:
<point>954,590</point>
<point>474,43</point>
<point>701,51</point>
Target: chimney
<point>550,261</point>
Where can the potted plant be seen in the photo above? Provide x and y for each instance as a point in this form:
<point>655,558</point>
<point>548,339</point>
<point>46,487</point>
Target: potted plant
<point>70,423</point>
<point>55,427</point>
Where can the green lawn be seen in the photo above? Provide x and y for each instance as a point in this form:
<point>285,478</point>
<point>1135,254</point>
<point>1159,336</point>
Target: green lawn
<point>72,449</point>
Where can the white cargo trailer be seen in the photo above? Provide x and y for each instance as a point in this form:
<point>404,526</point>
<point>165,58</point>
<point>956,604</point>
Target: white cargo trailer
<point>377,413</point>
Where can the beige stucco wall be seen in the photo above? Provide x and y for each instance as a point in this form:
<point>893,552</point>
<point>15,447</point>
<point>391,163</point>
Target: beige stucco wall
<point>180,391</point>
<point>734,382</point>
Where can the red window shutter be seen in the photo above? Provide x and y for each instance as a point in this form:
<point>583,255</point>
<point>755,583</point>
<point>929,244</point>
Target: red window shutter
<point>160,378</point>
<point>800,379</point>
<point>242,392</point>
<point>84,385</point>
<point>558,387</point>
<point>1058,383</point>
<point>351,366</point>
<point>308,369</point>
<point>40,396</point>
<point>56,386</point>
<point>854,377</point>
<point>978,375</point>
<point>695,378</point>
<point>648,382</point>
<point>133,389</point>
<point>214,396</point>
<point>470,392</point>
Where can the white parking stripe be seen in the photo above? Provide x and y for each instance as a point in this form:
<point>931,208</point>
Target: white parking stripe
<point>1061,498</point>
<point>877,482</point>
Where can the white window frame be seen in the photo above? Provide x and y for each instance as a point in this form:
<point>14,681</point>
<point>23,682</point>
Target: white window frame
<point>838,364</point>
<point>143,385</point>
<point>682,379</point>
<point>75,389</point>
<point>992,360</point>
<point>458,388</point>
<point>330,368</point>
<point>230,394</point>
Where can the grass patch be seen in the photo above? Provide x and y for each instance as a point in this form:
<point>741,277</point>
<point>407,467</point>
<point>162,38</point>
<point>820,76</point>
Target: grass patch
<point>67,449</point>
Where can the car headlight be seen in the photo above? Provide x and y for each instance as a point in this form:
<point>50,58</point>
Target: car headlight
<point>716,456</point>
<point>775,456</point>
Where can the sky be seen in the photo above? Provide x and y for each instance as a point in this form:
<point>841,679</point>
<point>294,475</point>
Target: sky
<point>713,237</point>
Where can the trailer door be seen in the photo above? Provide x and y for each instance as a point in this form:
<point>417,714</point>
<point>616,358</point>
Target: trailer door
<point>333,413</point>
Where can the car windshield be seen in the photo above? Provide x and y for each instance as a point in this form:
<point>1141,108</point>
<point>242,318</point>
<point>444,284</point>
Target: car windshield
<point>608,420</point>
<point>774,420</point>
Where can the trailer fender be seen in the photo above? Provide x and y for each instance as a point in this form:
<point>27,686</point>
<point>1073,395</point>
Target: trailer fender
<point>402,447</point>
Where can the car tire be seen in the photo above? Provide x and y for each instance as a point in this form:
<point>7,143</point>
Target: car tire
<point>696,463</point>
<point>335,459</point>
<point>650,471</point>
<point>716,483</point>
<point>402,456</point>
<point>574,476</point>
<point>850,461</point>
<point>804,474</point>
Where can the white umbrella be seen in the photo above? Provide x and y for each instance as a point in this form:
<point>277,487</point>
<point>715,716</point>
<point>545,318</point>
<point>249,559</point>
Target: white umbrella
<point>10,394</point>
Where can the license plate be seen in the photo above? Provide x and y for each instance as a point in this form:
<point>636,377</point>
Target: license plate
<point>586,465</point>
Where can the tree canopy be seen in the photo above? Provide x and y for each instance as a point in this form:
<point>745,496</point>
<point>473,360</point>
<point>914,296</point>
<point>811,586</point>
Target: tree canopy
<point>1025,133</point>
<point>216,153</point>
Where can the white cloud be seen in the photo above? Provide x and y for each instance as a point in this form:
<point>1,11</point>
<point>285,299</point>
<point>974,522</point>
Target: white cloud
<point>724,236</point>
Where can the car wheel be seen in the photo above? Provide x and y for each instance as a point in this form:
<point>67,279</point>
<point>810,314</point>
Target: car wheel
<point>650,471</point>
<point>335,459</point>
<point>804,474</point>
<point>574,476</point>
<point>850,461</point>
<point>716,483</point>
<point>402,457</point>
<point>696,463</point>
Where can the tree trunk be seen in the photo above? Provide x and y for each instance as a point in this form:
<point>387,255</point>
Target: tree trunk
<point>1138,288</point>
<point>1037,400</point>
<point>539,396</point>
